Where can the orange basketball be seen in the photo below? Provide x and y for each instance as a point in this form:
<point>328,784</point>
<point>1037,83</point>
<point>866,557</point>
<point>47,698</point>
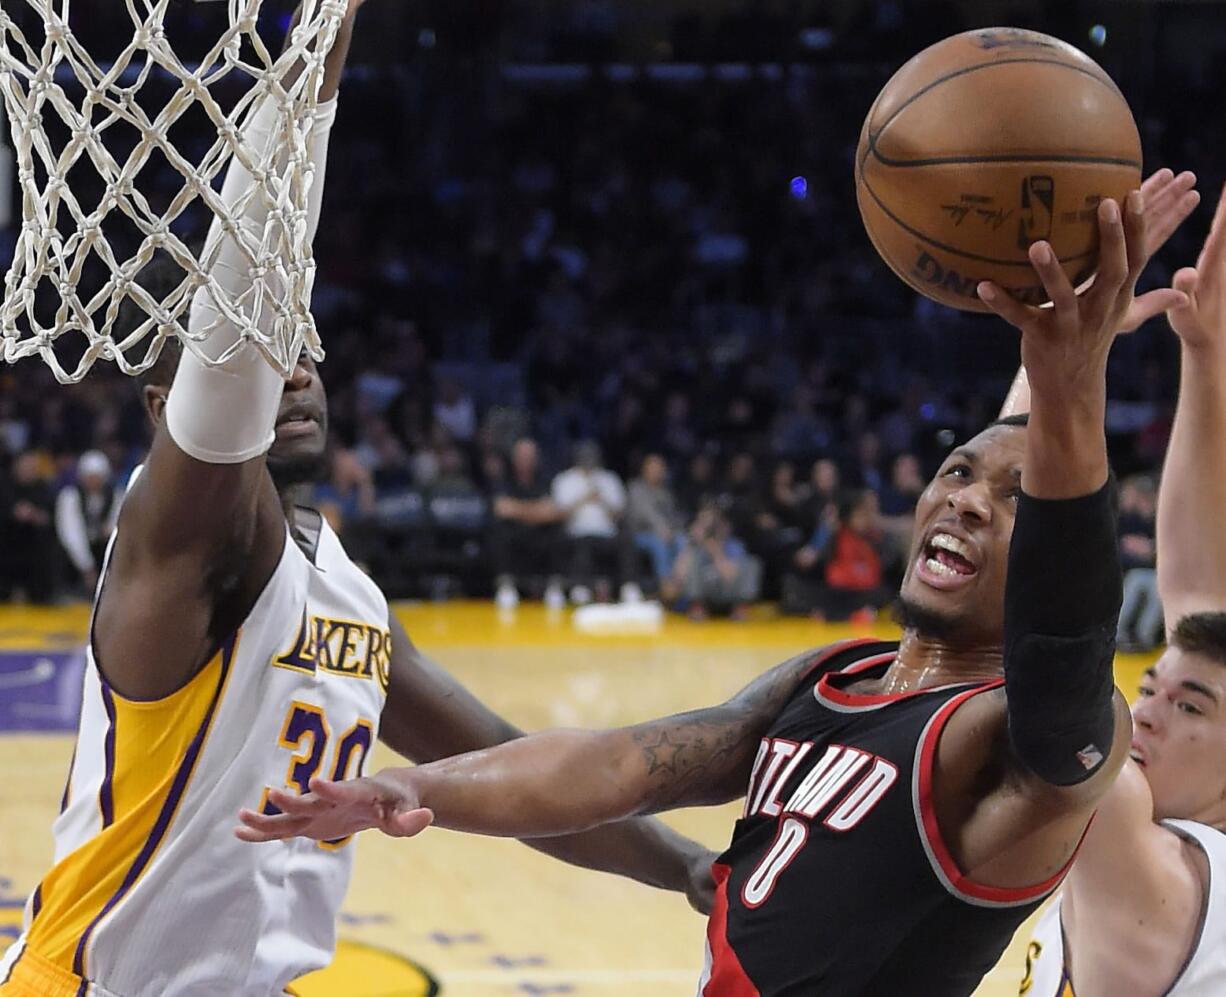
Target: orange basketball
<point>983,144</point>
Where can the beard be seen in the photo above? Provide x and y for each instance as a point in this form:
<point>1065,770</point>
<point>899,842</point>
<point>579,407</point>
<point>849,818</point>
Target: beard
<point>926,622</point>
<point>298,469</point>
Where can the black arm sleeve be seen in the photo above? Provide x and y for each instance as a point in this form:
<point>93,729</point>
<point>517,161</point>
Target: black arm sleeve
<point>1062,603</point>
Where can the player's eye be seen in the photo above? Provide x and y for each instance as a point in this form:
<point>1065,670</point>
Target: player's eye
<point>1145,691</point>
<point>1186,707</point>
<point>957,471</point>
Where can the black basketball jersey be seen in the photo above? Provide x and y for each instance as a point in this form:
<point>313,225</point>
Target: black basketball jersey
<point>837,882</point>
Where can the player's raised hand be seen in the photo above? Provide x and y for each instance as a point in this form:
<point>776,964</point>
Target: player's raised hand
<point>334,810</point>
<point>1070,340</point>
<point>1201,321</point>
<point>1169,200</point>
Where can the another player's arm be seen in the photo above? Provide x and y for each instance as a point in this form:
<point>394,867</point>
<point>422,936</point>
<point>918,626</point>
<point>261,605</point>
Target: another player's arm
<point>554,782</point>
<point>429,715</point>
<point>1191,500</point>
<point>201,529</point>
<point>1169,200</point>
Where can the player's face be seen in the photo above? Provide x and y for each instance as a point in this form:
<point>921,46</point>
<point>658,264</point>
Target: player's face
<point>955,579</point>
<point>302,425</point>
<point>1179,734</point>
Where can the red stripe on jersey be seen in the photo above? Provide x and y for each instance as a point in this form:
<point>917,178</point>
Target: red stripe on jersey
<point>728,978</point>
<point>960,882</point>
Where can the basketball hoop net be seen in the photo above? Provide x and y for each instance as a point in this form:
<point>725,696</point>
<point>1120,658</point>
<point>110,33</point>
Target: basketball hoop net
<point>64,107</point>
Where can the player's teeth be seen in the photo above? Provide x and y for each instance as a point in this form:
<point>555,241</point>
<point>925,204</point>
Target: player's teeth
<point>937,568</point>
<point>943,541</point>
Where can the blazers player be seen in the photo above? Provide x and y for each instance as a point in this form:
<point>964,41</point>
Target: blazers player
<point>908,805</point>
<point>1143,911</point>
<point>234,649</point>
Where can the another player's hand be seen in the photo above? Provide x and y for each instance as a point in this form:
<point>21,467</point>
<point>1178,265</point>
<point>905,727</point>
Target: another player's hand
<point>334,810</point>
<point>1065,347</point>
<point>1201,321</point>
<point>1169,200</point>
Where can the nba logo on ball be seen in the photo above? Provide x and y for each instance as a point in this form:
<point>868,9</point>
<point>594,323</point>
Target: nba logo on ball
<point>984,144</point>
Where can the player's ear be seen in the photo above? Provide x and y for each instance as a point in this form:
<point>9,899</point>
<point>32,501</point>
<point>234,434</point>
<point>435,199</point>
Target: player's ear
<point>154,398</point>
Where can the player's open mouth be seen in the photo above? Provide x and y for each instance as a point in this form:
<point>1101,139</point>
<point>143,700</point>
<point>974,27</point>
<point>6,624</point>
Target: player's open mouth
<point>946,562</point>
<point>1137,755</point>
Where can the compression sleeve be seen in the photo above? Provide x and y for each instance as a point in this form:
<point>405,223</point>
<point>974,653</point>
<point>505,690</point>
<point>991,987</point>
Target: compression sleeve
<point>1062,602</point>
<point>227,414</point>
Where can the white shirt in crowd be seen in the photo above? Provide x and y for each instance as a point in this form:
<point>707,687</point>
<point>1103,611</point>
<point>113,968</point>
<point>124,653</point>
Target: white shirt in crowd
<point>591,519</point>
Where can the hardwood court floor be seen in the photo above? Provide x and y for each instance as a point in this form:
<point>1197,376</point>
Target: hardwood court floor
<point>484,917</point>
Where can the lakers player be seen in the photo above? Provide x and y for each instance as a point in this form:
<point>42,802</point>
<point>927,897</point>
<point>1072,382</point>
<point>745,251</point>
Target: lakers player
<point>1143,911</point>
<point>908,804</point>
<point>236,649</point>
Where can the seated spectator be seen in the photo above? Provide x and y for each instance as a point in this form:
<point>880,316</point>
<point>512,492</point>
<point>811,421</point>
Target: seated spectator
<point>839,574</point>
<point>347,496</point>
<point>898,501</point>
<point>854,574</point>
<point>698,486</point>
<point>822,500</point>
<point>780,523</point>
<point>27,510</point>
<point>455,411</point>
<point>653,523</point>
<point>1140,625</point>
<point>85,516</point>
<point>715,569</point>
<point>525,532</point>
<point>593,501</point>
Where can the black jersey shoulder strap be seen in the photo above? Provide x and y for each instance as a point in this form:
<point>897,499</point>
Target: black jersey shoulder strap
<point>306,528</point>
<point>844,653</point>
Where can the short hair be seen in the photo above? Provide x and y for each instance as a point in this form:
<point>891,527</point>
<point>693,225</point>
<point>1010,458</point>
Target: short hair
<point>1203,634</point>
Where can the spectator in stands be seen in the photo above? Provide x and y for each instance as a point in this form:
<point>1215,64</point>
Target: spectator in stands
<point>348,495</point>
<point>525,531</point>
<point>740,497</point>
<point>898,501</point>
<point>27,508</point>
<point>780,525</point>
<point>715,569</point>
<point>654,524</point>
<point>854,574</point>
<point>698,486</point>
<point>822,499</point>
<point>85,516</point>
<point>593,501</point>
<point>1140,625</point>
<point>868,472</point>
<point>455,411</point>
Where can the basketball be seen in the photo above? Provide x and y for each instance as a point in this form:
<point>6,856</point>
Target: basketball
<point>983,144</point>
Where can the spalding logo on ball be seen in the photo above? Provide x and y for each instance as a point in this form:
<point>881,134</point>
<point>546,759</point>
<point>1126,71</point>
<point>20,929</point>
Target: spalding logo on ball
<point>983,144</point>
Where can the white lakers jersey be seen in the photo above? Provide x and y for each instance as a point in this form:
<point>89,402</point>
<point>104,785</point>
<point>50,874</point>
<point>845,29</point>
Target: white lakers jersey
<point>1203,975</point>
<point>151,895</point>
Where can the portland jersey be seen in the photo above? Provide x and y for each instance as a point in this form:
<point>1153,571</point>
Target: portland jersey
<point>838,882</point>
<point>1204,973</point>
<point>151,894</point>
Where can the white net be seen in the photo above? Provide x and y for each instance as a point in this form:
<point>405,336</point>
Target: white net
<point>105,186</point>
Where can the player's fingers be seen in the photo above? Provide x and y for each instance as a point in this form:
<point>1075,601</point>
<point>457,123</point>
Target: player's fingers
<point>1214,253</point>
<point>1155,303</point>
<point>1157,181</point>
<point>1055,280</point>
<point>1136,226</point>
<point>1170,208</point>
<point>408,823</point>
<point>1186,280</point>
<point>345,793</point>
<point>1008,308</point>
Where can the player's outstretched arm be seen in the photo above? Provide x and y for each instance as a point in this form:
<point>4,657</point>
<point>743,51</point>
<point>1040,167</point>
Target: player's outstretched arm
<point>1066,727</point>
<point>554,782</point>
<point>1169,200</point>
<point>1191,500</point>
<point>201,529</point>
<point>429,715</point>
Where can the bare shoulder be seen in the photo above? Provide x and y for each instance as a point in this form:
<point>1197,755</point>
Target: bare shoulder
<point>179,580</point>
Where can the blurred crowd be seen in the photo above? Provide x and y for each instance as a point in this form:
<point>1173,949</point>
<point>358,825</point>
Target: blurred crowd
<point>597,332</point>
